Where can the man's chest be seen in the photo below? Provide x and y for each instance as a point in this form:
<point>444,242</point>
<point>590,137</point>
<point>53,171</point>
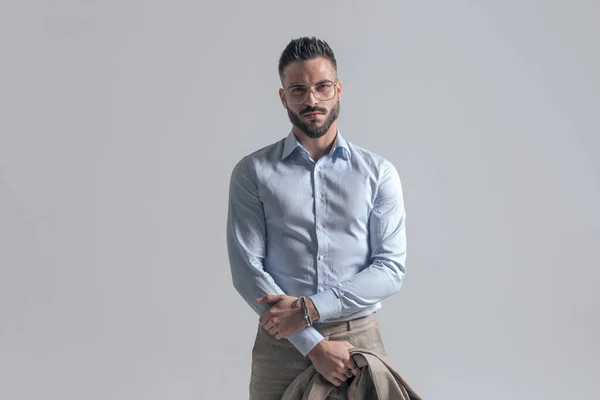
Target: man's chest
<point>305,196</point>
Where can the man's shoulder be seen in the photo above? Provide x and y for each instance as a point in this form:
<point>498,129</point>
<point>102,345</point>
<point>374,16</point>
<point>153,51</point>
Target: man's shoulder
<point>257,159</point>
<point>368,157</point>
<point>267,152</point>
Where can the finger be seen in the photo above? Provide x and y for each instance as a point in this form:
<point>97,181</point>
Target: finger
<point>340,372</point>
<point>263,299</point>
<point>273,330</point>
<point>264,318</point>
<point>267,327</point>
<point>335,381</point>
<point>270,298</point>
<point>342,377</point>
<point>351,364</point>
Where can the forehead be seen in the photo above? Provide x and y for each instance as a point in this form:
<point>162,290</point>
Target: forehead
<point>308,71</point>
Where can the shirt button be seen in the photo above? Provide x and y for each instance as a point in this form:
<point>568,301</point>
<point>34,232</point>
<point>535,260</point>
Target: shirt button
<point>320,258</point>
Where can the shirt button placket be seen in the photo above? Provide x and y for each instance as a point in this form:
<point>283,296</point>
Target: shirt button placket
<point>320,225</point>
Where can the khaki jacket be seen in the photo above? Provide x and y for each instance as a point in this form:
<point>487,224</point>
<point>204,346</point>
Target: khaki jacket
<point>376,380</point>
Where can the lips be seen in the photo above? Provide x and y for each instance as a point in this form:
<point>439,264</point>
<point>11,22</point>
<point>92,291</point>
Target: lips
<point>313,115</point>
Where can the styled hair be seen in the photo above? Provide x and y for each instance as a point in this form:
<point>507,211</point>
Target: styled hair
<point>305,48</point>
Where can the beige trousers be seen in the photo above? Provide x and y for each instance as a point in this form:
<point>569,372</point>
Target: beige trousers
<point>276,363</point>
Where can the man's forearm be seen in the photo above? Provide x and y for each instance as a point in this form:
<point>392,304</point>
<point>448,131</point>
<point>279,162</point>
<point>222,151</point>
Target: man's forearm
<point>254,287</point>
<point>363,290</point>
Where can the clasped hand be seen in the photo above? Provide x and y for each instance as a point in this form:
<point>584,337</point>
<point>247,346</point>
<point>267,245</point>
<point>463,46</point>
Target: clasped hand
<point>284,318</point>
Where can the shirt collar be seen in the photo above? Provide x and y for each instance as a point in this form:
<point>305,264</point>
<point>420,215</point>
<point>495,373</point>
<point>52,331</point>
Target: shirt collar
<point>340,145</point>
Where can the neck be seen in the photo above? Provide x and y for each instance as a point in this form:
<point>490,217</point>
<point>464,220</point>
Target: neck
<point>317,147</point>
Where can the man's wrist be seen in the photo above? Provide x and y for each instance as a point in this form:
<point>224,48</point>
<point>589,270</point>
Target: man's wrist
<point>315,350</point>
<point>314,313</point>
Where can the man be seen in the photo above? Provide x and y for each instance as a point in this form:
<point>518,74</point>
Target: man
<point>313,215</point>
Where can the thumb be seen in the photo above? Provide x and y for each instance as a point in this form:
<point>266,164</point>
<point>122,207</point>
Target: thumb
<point>270,298</point>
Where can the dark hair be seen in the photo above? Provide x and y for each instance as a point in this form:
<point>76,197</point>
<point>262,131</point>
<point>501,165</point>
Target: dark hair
<point>305,48</point>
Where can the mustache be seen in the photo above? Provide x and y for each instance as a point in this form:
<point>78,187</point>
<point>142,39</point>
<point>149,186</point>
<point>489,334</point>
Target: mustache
<point>313,110</point>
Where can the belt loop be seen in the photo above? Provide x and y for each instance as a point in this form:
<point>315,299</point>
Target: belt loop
<point>349,324</point>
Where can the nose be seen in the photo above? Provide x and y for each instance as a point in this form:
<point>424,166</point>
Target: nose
<point>311,100</point>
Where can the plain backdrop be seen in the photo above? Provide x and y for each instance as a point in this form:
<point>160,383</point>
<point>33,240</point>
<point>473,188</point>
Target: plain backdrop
<point>120,123</point>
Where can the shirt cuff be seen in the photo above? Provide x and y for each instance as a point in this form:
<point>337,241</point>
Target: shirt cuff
<point>327,304</point>
<point>306,340</point>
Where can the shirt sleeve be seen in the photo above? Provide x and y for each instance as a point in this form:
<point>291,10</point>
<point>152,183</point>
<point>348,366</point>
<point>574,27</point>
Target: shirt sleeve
<point>387,240</point>
<point>246,236</point>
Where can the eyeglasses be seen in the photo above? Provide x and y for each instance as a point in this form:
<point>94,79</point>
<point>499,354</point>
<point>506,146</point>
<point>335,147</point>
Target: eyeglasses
<point>323,91</point>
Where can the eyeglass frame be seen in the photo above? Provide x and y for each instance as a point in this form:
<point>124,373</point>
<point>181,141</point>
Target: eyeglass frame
<point>312,92</point>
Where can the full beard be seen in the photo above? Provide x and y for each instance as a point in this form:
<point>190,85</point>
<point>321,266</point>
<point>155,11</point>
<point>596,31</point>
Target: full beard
<point>315,131</point>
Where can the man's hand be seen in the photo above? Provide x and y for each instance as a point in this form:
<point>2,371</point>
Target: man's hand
<point>284,318</point>
<point>332,360</point>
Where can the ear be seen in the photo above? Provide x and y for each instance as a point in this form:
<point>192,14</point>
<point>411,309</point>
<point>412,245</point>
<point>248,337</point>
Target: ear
<point>339,90</point>
<point>282,98</point>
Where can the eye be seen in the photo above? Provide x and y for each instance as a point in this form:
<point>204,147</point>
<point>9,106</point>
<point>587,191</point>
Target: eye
<point>298,90</point>
<point>323,86</point>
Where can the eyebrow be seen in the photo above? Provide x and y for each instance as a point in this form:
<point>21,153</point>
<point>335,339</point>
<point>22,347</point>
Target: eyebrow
<point>316,83</point>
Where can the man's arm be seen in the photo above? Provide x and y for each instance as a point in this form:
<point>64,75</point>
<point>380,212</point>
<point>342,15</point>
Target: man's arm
<point>383,277</point>
<point>246,243</point>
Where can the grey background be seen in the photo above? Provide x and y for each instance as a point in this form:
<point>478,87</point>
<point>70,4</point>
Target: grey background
<point>120,124</point>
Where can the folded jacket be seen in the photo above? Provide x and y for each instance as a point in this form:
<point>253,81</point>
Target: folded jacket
<point>375,380</point>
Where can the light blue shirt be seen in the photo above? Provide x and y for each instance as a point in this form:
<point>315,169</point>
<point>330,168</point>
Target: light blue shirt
<point>332,230</point>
